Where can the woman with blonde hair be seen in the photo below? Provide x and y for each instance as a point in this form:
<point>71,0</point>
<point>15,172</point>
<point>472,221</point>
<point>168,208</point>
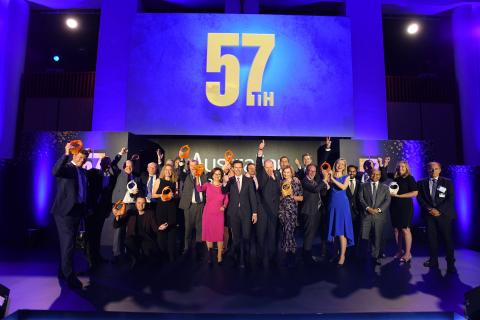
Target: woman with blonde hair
<point>401,210</point>
<point>164,189</point>
<point>340,220</point>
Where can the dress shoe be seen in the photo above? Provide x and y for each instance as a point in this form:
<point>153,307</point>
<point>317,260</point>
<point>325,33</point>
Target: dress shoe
<point>430,264</point>
<point>74,283</point>
<point>377,261</point>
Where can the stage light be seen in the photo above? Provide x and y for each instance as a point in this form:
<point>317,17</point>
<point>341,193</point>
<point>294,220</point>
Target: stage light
<point>56,58</point>
<point>413,28</point>
<point>71,23</point>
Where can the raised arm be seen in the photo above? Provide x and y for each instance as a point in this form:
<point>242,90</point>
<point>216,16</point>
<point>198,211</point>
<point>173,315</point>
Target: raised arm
<point>59,169</point>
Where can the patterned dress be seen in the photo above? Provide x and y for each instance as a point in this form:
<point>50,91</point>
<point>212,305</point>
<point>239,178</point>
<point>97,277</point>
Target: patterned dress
<point>287,214</point>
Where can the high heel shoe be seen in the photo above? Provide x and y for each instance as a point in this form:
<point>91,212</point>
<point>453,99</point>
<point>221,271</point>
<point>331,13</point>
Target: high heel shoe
<point>405,261</point>
<point>219,261</point>
<point>340,265</point>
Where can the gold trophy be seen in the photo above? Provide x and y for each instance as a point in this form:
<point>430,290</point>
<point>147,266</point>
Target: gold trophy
<point>286,189</point>
<point>167,194</point>
<point>77,146</point>
<point>184,152</point>
<point>229,156</point>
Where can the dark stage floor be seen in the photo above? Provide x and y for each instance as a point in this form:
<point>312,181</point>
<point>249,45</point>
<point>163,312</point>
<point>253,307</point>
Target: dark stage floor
<point>190,287</point>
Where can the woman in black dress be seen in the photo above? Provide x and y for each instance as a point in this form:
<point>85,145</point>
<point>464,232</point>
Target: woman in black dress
<point>164,189</point>
<point>401,210</point>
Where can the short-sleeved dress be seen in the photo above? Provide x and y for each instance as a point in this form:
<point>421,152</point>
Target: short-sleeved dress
<point>401,210</point>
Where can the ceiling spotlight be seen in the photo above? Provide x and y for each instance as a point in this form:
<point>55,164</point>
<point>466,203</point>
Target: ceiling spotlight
<point>413,28</point>
<point>56,58</point>
<point>71,23</point>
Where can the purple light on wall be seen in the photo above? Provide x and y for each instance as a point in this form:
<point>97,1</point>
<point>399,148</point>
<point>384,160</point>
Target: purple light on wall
<point>463,184</point>
<point>43,179</point>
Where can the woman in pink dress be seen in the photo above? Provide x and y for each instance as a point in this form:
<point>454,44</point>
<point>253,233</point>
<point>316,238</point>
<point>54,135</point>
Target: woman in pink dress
<point>213,213</point>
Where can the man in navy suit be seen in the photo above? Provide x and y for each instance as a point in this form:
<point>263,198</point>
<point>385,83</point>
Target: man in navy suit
<point>436,198</point>
<point>69,207</point>
<point>242,211</point>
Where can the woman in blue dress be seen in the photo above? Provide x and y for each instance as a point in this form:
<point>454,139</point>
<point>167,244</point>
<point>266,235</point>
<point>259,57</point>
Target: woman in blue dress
<point>340,220</point>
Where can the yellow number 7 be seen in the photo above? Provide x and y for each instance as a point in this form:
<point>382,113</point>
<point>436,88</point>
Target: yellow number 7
<point>266,43</point>
<point>215,61</point>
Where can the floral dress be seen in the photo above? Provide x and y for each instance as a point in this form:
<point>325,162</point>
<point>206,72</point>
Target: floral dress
<point>287,214</point>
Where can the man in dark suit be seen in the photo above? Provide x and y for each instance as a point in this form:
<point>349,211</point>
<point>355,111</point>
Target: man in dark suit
<point>192,203</point>
<point>436,198</point>
<point>148,178</point>
<point>242,211</point>
<point>69,206</point>
<point>375,199</point>
<point>354,200</point>
<point>269,200</point>
<point>142,231</point>
<point>123,191</point>
<point>102,182</point>
<point>314,187</point>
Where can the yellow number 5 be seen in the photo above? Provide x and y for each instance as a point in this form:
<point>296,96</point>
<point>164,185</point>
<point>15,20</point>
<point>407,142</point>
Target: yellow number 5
<point>215,61</point>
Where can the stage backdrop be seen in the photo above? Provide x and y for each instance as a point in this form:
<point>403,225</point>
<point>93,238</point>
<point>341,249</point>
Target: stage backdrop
<point>227,74</point>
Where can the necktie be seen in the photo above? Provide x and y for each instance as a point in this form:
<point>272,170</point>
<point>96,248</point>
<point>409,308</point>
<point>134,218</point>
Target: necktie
<point>352,187</point>
<point>197,194</point>
<point>238,183</point>
<point>434,190</point>
<point>82,190</point>
<point>374,194</point>
<point>150,187</point>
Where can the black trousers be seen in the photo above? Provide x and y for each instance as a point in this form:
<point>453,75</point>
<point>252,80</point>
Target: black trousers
<point>440,225</point>
<point>311,223</point>
<point>94,226</point>
<point>241,229</point>
<point>67,228</point>
<point>167,242</point>
<point>140,246</point>
<point>266,230</point>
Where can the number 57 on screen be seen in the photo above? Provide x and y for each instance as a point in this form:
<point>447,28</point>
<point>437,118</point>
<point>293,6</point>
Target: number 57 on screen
<point>215,61</point>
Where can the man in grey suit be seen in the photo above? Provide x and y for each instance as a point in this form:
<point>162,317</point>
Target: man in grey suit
<point>374,198</point>
<point>120,193</point>
<point>192,203</point>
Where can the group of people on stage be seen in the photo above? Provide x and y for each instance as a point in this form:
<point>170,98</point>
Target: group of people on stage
<point>261,207</point>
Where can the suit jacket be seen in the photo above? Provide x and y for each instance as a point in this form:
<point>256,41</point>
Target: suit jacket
<point>100,199</point>
<point>67,186</point>
<point>188,185</point>
<point>130,220</point>
<point>445,205</point>
<point>243,202</point>
<point>268,191</point>
<point>313,190</point>
<point>121,186</point>
<point>354,200</point>
<point>366,198</point>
